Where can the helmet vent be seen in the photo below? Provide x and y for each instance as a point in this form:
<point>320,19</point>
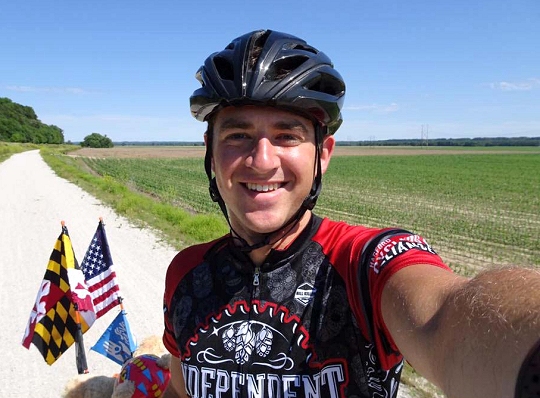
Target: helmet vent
<point>303,48</point>
<point>282,67</point>
<point>257,44</point>
<point>224,68</point>
<point>327,84</point>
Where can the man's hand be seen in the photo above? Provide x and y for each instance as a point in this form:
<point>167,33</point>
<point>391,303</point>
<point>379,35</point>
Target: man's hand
<point>176,387</point>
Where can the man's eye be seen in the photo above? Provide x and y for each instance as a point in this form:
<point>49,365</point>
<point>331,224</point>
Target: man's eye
<point>237,136</point>
<point>289,137</point>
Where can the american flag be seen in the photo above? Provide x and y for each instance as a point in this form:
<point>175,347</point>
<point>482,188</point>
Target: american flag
<point>99,274</point>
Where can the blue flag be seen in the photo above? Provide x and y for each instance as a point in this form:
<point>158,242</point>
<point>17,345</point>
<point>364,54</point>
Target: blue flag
<point>117,343</point>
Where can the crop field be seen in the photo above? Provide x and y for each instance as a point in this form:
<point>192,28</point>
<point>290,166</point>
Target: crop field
<point>477,208</point>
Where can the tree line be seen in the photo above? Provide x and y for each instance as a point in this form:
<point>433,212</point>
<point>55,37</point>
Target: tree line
<point>19,123</point>
<point>474,142</point>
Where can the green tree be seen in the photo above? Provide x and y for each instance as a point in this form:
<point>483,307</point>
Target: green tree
<point>19,123</point>
<point>96,140</point>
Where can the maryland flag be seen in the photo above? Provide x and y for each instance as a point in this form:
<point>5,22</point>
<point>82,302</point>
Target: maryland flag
<point>63,310</point>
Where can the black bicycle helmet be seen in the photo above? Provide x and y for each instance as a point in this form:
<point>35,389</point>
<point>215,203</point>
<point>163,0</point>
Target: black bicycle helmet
<point>271,68</point>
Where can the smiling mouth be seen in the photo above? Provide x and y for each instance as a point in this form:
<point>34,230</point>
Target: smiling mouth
<point>262,187</point>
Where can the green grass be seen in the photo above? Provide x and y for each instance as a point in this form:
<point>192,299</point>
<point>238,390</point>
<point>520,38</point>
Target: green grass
<point>419,386</point>
<point>178,226</point>
<point>9,148</point>
<point>477,210</point>
<point>179,182</point>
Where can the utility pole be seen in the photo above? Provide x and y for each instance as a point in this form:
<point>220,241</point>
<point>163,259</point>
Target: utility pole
<point>424,135</point>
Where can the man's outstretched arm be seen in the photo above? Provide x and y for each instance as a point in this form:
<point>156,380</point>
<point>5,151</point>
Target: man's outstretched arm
<point>468,336</point>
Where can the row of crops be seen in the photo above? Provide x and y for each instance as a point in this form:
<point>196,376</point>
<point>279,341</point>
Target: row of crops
<point>476,210</point>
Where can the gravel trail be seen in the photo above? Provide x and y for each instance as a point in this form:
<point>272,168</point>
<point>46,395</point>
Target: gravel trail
<point>33,202</point>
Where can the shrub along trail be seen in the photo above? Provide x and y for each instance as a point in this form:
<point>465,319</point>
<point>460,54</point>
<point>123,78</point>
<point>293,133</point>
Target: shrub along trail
<point>33,202</point>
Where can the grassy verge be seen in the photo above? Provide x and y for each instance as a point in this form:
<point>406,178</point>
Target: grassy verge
<point>177,226</point>
<point>9,148</point>
<point>419,387</point>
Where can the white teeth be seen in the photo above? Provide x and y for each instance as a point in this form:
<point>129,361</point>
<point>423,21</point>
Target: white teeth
<point>262,188</point>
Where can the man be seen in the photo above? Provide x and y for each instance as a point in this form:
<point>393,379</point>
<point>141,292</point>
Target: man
<point>292,305</point>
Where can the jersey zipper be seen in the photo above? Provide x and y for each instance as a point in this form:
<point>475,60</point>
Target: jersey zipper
<point>256,276</point>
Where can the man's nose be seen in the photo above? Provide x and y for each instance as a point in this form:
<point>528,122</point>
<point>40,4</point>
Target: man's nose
<point>263,156</point>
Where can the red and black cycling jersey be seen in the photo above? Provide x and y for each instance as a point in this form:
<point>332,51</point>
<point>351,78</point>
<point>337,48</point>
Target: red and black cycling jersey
<point>306,323</point>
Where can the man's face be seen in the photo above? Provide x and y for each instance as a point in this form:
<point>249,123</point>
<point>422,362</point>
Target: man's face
<point>264,163</point>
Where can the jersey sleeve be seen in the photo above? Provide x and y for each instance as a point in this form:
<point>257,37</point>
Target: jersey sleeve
<point>389,253</point>
<point>184,262</point>
<point>181,264</point>
<point>172,280</point>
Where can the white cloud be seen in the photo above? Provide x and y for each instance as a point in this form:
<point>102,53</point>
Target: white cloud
<point>58,90</point>
<point>375,108</point>
<point>526,85</point>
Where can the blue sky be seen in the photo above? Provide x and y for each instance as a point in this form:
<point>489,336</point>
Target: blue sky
<point>126,68</point>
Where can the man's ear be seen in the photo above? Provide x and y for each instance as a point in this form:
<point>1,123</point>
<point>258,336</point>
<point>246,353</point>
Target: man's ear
<point>328,145</point>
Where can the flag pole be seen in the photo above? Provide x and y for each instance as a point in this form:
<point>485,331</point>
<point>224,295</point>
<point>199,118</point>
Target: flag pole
<point>80,355</point>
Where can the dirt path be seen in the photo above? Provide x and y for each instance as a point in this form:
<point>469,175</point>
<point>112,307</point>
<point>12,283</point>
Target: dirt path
<point>33,202</point>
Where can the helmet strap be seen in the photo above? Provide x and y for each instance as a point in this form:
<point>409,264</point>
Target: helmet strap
<point>310,200</point>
